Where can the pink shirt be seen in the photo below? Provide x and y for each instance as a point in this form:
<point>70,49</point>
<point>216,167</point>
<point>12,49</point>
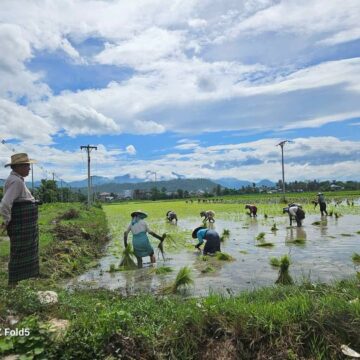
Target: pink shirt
<point>15,190</point>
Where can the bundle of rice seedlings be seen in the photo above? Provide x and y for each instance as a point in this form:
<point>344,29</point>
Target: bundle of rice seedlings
<point>208,269</point>
<point>316,223</point>
<point>265,216</point>
<point>183,280</point>
<point>243,252</point>
<point>224,256</point>
<point>260,236</point>
<point>274,227</point>
<point>331,213</point>
<point>274,262</point>
<point>265,244</point>
<point>356,257</point>
<point>337,215</point>
<point>358,232</point>
<point>161,270</point>
<point>346,234</point>
<point>127,262</point>
<point>284,276</point>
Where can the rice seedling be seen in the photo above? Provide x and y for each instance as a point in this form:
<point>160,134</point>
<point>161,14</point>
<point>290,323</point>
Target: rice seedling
<point>204,258</point>
<point>183,280</point>
<point>224,256</point>
<point>243,252</point>
<point>346,234</point>
<point>274,261</point>
<point>226,232</point>
<point>265,244</point>
<point>274,227</point>
<point>208,269</point>
<point>265,216</point>
<point>331,213</point>
<point>358,232</point>
<point>127,262</point>
<point>260,236</point>
<point>316,223</point>
<point>337,215</point>
<point>284,277</point>
<point>161,270</point>
<point>356,257</point>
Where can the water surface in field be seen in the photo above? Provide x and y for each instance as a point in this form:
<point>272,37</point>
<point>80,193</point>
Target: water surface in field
<point>324,256</point>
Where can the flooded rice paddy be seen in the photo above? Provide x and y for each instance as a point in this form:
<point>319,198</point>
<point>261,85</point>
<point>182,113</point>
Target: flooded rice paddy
<point>320,251</point>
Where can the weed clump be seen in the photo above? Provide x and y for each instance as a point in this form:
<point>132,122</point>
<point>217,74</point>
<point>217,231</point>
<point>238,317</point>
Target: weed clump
<point>284,276</point>
<point>70,214</point>
<point>127,263</point>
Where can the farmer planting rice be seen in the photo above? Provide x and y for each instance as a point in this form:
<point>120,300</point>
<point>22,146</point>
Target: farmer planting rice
<point>171,216</point>
<point>322,203</point>
<point>212,240</point>
<point>296,212</point>
<point>208,216</point>
<point>141,243</point>
<point>19,211</point>
<point>252,210</point>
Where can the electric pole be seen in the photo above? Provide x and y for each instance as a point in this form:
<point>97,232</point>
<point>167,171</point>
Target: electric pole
<point>88,150</point>
<point>282,144</point>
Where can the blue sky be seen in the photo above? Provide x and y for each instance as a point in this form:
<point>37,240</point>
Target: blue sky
<point>199,88</point>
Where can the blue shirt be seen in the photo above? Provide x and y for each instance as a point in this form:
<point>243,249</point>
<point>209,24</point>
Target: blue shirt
<point>201,235</point>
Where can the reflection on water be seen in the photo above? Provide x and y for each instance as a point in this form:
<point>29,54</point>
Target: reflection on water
<point>318,253</point>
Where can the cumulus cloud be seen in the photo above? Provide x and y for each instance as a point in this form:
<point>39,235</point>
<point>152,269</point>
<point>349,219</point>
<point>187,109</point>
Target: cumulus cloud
<point>130,149</point>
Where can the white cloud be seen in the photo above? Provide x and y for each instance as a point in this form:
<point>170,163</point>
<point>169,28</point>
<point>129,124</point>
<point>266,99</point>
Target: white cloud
<point>130,149</point>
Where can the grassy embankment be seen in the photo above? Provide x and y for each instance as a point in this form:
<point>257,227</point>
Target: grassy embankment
<point>294,322</point>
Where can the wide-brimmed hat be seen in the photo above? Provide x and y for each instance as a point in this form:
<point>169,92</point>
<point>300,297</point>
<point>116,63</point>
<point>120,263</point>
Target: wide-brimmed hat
<point>139,212</point>
<point>19,159</point>
<point>320,193</point>
<point>194,233</point>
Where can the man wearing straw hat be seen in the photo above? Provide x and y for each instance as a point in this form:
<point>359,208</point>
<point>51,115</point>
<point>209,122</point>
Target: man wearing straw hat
<point>20,214</point>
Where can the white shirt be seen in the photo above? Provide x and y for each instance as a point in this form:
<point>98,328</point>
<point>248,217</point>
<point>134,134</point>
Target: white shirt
<point>293,210</point>
<point>15,190</point>
<point>138,227</point>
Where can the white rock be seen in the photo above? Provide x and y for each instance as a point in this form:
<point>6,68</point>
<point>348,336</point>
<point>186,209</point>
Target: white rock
<point>47,297</point>
<point>349,352</point>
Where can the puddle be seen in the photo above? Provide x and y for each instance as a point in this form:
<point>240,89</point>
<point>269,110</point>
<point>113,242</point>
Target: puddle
<point>321,254</point>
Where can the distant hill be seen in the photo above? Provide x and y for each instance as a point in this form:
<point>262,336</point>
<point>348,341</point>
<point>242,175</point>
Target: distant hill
<point>234,183</point>
<point>170,185</point>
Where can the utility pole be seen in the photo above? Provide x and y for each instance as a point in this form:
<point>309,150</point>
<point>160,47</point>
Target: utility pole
<point>88,150</point>
<point>281,144</point>
<point>53,174</point>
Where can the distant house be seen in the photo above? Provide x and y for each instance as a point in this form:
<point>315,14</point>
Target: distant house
<point>335,187</point>
<point>104,196</point>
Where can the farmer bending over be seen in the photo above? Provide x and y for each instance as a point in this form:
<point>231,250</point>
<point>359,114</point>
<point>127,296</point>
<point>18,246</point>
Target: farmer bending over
<point>212,240</point>
<point>208,216</point>
<point>296,212</point>
<point>171,215</point>
<point>252,210</point>
<point>141,243</point>
<point>322,203</point>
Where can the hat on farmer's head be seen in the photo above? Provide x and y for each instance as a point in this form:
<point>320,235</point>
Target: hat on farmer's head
<point>320,193</point>
<point>194,233</point>
<point>140,213</point>
<point>19,159</point>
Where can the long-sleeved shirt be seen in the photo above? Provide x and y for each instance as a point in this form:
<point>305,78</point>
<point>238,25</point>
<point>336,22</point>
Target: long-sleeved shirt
<point>15,190</point>
<point>201,235</point>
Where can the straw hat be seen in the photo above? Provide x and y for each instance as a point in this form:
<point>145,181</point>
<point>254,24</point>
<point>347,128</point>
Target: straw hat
<point>194,233</point>
<point>139,212</point>
<point>19,159</point>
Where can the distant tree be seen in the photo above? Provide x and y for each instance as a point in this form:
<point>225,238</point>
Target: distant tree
<point>180,193</point>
